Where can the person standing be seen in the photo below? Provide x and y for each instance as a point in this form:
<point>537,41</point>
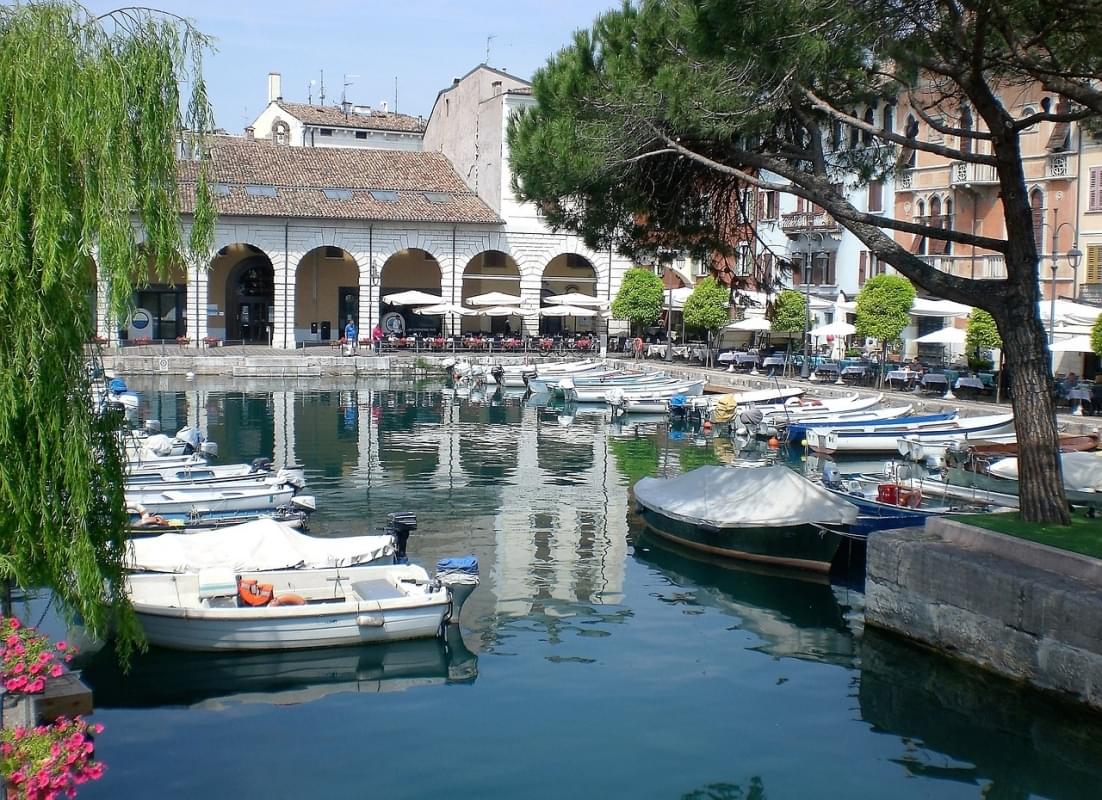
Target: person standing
<point>350,334</point>
<point>377,337</point>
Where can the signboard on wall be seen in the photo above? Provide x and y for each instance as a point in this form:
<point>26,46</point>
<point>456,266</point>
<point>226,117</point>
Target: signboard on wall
<point>141,325</point>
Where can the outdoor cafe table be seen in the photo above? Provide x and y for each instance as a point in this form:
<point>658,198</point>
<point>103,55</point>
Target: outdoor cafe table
<point>935,382</point>
<point>855,371</point>
<point>738,359</point>
<point>904,376</point>
<point>1078,396</point>
<point>969,382</point>
<point>829,371</point>
<point>771,362</point>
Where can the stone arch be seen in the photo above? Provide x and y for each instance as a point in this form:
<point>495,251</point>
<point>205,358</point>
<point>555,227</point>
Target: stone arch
<point>281,132</point>
<point>407,270</point>
<point>159,299</point>
<point>327,293</point>
<point>242,284</point>
<point>565,273</point>
<point>489,271</point>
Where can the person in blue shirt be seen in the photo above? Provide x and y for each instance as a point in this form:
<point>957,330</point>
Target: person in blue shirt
<point>350,335</point>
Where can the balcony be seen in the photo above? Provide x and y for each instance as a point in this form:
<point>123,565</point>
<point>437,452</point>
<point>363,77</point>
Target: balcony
<point>1059,165</point>
<point>965,174</point>
<point>808,222</point>
<point>979,267</point>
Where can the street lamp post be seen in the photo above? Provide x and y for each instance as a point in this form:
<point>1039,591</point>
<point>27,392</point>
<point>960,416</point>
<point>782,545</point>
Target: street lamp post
<point>1073,256</point>
<point>805,368</point>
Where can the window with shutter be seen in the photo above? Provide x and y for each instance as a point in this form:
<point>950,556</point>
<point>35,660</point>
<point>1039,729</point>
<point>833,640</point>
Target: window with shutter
<point>876,196</point>
<point>1036,203</point>
<point>1095,202</point>
<point>861,267</point>
<point>1094,264</point>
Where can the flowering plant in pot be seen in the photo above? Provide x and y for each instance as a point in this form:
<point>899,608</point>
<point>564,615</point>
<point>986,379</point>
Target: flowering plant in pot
<point>43,762</point>
<point>27,658</point>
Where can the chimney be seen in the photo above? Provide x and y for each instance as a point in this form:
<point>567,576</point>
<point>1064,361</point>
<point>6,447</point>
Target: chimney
<point>455,81</point>
<point>249,131</point>
<point>383,106</point>
<point>275,86</point>
<point>496,87</point>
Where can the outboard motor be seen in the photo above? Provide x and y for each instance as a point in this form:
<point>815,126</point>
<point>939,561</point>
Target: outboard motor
<point>152,426</point>
<point>399,525</point>
<point>116,386</point>
<point>460,575</point>
<point>260,464</point>
<point>499,373</point>
<point>679,407</point>
<point>830,474</point>
<point>209,449</point>
<point>191,439</point>
<point>293,476</point>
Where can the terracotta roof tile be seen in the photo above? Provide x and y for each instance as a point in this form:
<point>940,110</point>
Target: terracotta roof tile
<point>333,116</point>
<point>426,187</point>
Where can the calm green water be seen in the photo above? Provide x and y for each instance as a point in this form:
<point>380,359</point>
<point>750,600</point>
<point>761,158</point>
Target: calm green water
<point>593,662</point>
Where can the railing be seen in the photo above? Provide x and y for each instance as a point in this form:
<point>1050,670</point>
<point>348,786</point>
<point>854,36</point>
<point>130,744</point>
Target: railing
<point>798,222</point>
<point>981,267</point>
<point>1059,166</point>
<point>965,173</point>
<point>1091,293</point>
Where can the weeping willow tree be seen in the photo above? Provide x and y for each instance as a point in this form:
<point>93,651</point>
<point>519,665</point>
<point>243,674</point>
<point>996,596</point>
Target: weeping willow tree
<point>93,119</point>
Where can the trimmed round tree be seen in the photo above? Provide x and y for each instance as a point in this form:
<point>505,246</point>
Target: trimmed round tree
<point>884,307</point>
<point>708,308</point>
<point>789,312</point>
<point>640,298</point>
<point>982,334</point>
<point>1096,337</point>
<point>88,147</point>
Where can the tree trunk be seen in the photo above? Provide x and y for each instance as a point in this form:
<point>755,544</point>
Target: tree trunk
<point>1042,496</point>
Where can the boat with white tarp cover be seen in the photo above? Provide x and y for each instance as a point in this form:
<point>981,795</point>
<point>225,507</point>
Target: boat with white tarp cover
<point>769,514</point>
<point>260,545</point>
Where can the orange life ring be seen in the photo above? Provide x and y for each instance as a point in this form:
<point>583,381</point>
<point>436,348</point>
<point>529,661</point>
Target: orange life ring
<point>253,594</point>
<point>289,599</point>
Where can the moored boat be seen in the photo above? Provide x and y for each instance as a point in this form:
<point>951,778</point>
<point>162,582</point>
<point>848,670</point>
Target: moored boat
<point>768,514</point>
<point>217,609</point>
<point>885,438</point>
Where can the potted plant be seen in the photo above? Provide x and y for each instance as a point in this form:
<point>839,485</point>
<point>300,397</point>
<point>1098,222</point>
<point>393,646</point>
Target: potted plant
<point>27,659</point>
<point>48,760</point>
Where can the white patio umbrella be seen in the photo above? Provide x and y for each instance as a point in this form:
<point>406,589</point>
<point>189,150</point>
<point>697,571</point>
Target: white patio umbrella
<point>447,309</point>
<point>494,299</point>
<point>947,335</point>
<point>1075,344</point>
<point>501,311</point>
<point>413,297</point>
<point>750,324</point>
<point>836,328</point>
<point>574,299</point>
<point>567,311</point>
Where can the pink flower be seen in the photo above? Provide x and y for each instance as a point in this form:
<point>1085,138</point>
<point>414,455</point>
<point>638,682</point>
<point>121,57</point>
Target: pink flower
<point>61,645</point>
<point>55,671</point>
<point>13,623</point>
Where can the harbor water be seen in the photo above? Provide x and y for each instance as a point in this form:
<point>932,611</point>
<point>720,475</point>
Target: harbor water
<point>592,662</point>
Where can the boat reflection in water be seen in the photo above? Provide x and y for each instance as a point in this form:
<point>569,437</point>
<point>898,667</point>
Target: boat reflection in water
<point>212,680</point>
<point>959,724</point>
<point>795,614</point>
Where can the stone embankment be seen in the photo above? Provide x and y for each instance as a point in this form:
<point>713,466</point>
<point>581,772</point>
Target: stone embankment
<point>1026,611</point>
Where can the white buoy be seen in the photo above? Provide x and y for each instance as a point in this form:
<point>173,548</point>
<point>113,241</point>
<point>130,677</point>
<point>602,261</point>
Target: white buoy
<point>190,376</point>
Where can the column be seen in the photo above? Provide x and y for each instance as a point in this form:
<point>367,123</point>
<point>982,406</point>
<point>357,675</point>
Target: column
<point>198,276</point>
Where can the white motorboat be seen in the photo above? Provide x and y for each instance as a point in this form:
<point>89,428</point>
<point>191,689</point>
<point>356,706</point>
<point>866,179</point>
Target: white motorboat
<point>218,609</point>
<point>200,502</point>
<point>260,545</point>
<point>800,408</point>
<point>148,524</point>
<point>259,473</point>
<point>651,391</point>
<point>885,438</point>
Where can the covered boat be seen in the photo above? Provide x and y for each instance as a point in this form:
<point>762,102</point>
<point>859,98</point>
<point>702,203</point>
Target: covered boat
<point>768,514</point>
<point>260,545</point>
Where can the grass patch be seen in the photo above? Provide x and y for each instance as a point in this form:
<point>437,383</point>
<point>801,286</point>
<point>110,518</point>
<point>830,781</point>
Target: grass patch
<point>1083,535</point>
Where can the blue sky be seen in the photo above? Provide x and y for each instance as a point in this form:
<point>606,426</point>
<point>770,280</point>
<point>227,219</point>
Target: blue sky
<point>422,43</point>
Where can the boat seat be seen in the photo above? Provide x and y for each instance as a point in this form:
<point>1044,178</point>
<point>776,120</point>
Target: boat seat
<point>377,590</point>
<point>217,582</point>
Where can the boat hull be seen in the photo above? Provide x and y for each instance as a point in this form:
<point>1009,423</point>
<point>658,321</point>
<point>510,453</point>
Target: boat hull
<point>800,546</point>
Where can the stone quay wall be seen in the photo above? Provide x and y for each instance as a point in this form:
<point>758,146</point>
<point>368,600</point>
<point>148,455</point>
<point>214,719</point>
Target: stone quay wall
<point>1026,611</point>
